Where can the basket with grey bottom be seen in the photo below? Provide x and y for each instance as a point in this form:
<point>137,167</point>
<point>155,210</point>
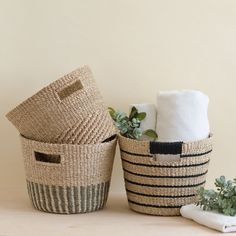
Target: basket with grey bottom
<point>68,178</point>
<point>162,177</point>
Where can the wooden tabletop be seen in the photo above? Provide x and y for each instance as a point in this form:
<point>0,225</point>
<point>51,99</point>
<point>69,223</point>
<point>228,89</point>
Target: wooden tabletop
<point>18,217</point>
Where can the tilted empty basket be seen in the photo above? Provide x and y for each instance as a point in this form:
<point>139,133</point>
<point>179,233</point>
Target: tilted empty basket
<point>69,110</point>
<point>68,178</point>
<point>161,177</point>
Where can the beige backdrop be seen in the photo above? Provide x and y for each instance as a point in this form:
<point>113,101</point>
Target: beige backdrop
<point>134,47</point>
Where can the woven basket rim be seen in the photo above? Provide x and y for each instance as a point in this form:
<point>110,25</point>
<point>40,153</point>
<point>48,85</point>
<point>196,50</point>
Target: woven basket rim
<point>148,141</point>
<point>69,145</point>
<point>31,98</point>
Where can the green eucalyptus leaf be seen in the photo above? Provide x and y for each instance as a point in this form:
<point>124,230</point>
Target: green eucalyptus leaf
<point>223,200</point>
<point>129,126</point>
<point>111,112</point>
<point>141,116</point>
<point>137,133</point>
<point>120,116</point>
<point>150,133</point>
<point>133,113</point>
<point>111,109</point>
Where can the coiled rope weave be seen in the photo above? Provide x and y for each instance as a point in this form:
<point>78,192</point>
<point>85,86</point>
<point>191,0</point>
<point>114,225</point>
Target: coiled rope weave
<point>69,110</point>
<point>68,142</point>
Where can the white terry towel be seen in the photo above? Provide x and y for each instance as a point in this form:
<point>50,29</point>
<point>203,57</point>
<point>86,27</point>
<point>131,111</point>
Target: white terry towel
<point>210,219</point>
<point>182,116</point>
<point>150,120</point>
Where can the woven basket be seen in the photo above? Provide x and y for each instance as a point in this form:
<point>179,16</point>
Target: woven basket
<point>68,178</point>
<point>69,110</point>
<point>162,177</point>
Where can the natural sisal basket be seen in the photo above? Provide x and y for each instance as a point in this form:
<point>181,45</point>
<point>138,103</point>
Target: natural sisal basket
<point>69,110</point>
<point>162,177</point>
<point>68,178</point>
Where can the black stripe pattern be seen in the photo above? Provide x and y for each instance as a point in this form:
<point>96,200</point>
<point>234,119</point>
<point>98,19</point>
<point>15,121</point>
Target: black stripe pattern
<point>181,155</point>
<point>167,166</point>
<point>168,185</point>
<point>155,206</point>
<point>159,196</point>
<point>165,176</point>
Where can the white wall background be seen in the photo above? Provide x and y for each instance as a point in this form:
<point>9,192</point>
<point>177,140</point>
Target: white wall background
<point>134,47</point>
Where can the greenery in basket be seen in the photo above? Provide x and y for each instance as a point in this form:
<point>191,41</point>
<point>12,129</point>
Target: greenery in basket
<point>223,200</point>
<point>129,126</point>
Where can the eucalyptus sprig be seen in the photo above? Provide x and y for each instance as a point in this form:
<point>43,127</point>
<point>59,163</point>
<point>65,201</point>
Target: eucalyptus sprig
<point>129,126</point>
<point>223,200</point>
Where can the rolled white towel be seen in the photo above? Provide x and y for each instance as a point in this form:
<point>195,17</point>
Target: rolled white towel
<point>150,120</point>
<point>182,116</point>
<point>210,219</point>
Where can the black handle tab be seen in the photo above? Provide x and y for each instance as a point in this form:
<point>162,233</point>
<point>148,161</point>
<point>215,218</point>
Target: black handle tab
<point>173,148</point>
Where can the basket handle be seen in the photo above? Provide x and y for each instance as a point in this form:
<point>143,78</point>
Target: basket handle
<point>46,158</point>
<point>70,89</point>
<point>165,148</point>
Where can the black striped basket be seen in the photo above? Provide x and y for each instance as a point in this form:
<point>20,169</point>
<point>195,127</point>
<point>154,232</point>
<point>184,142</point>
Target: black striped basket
<point>162,177</point>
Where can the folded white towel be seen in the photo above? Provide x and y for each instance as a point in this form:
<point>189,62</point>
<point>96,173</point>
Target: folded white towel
<point>182,116</point>
<point>150,120</point>
<point>210,219</point>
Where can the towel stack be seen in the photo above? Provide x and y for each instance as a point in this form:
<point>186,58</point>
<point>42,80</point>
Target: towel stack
<point>179,116</point>
<point>68,143</point>
<point>182,116</point>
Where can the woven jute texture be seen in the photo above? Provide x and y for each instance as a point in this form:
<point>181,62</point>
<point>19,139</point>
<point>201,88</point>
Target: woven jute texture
<point>69,110</point>
<point>160,185</point>
<point>68,178</point>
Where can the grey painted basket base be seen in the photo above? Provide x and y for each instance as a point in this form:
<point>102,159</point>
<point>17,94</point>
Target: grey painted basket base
<point>68,200</point>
